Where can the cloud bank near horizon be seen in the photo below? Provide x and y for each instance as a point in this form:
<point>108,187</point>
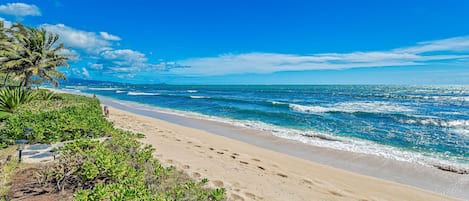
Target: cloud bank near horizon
<point>99,54</point>
<point>448,50</point>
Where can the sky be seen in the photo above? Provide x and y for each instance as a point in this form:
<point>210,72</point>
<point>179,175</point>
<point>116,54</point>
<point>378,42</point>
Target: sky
<point>257,41</point>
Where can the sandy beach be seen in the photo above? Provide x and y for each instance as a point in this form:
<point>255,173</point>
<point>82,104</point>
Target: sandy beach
<point>252,173</point>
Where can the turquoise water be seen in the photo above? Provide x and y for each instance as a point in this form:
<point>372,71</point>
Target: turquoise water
<point>423,124</point>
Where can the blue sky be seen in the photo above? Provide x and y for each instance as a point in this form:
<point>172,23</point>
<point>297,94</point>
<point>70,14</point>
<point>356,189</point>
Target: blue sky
<point>261,42</point>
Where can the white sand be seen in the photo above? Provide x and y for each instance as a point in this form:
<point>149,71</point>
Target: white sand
<point>252,173</point>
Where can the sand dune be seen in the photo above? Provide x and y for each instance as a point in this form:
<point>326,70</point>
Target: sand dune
<point>252,173</point>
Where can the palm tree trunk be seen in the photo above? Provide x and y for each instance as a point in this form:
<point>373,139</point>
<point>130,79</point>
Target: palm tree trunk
<point>6,78</point>
<point>26,80</point>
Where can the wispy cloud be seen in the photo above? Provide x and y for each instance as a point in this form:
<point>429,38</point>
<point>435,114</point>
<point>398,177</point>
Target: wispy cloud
<point>108,36</point>
<point>20,9</point>
<point>455,44</point>
<point>446,50</point>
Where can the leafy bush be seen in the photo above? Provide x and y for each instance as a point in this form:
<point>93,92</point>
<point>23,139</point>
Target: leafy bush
<point>117,169</point>
<point>64,118</point>
<point>121,169</point>
<point>11,99</point>
<point>44,94</point>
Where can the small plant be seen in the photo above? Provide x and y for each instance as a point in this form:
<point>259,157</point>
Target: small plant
<point>140,135</point>
<point>44,94</point>
<point>11,99</point>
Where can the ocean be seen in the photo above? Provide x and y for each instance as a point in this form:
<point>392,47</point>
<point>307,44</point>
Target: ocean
<point>428,125</point>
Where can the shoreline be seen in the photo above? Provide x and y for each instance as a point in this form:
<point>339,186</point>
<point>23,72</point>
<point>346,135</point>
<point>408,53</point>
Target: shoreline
<point>413,175</point>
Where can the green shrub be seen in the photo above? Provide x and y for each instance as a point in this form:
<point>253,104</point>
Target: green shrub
<point>122,169</point>
<point>11,99</point>
<point>44,94</point>
<point>61,119</point>
<point>117,169</point>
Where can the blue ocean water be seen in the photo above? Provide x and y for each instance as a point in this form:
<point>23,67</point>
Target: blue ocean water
<point>422,124</point>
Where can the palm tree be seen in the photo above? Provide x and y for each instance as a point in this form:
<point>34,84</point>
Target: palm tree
<point>8,49</point>
<point>33,53</point>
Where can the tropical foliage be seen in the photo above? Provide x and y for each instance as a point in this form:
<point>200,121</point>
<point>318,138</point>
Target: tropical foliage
<point>11,99</point>
<point>120,168</point>
<point>31,55</point>
<point>65,117</point>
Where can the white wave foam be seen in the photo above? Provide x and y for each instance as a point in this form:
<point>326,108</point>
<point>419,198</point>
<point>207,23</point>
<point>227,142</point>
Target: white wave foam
<point>310,109</point>
<point>72,90</point>
<point>323,139</point>
<point>199,97</point>
<point>438,122</point>
<point>192,91</point>
<point>103,89</point>
<point>142,94</point>
<point>351,107</point>
<point>120,92</point>
<point>461,131</point>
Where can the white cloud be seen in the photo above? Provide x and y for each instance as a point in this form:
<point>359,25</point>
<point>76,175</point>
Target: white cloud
<point>20,9</point>
<point>80,72</point>
<point>126,55</point>
<point>98,49</point>
<point>108,36</point>
<point>122,60</point>
<point>455,44</point>
<point>96,66</point>
<point>6,23</point>
<point>74,38</point>
<point>85,72</point>
<point>446,50</point>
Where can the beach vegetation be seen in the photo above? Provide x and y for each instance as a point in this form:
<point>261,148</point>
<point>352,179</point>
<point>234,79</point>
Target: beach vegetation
<point>63,117</point>
<point>116,167</point>
<point>11,99</point>
<point>121,169</point>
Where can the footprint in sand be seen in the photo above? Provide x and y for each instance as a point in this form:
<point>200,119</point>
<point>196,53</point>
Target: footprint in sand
<point>211,148</point>
<point>236,197</point>
<point>196,174</point>
<point>235,154</point>
<point>243,162</point>
<point>260,167</point>
<point>233,157</point>
<point>255,159</point>
<point>282,175</point>
<point>178,140</point>
<point>307,182</point>
<point>250,195</point>
<point>219,152</point>
<point>197,146</point>
<point>189,142</point>
<point>218,183</point>
<point>186,166</point>
<point>336,193</point>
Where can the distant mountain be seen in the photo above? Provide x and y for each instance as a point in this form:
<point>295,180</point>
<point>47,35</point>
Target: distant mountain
<point>78,81</point>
